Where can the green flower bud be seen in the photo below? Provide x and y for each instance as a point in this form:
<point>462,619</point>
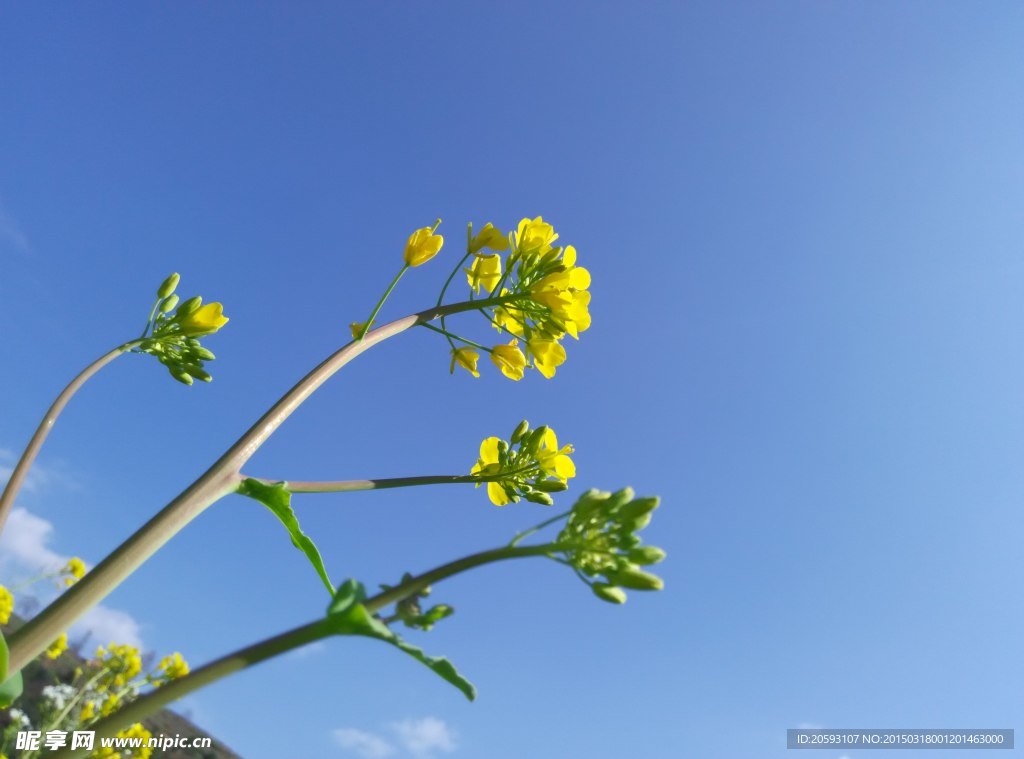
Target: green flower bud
<point>198,373</point>
<point>644,555</point>
<point>631,576</point>
<point>169,304</point>
<point>502,448</point>
<point>590,502</point>
<point>522,429</point>
<point>183,377</point>
<point>634,525</point>
<point>188,307</point>
<point>618,498</point>
<point>168,285</point>
<point>609,593</point>
<point>535,497</point>
<point>550,256</point>
<point>202,354</point>
<point>627,540</point>
<point>638,507</point>
<point>550,486</point>
<point>532,443</point>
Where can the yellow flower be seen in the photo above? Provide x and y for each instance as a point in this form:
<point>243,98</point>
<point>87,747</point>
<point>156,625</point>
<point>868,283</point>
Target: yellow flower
<point>509,359</point>
<point>485,273</point>
<point>554,461</point>
<point>6,605</point>
<point>547,355</point>
<point>205,320</point>
<point>58,647</point>
<point>466,358</point>
<point>534,236</point>
<point>356,328</point>
<point>109,705</point>
<point>579,278</point>
<point>489,237</point>
<point>75,569</point>
<point>174,666</point>
<point>142,736</point>
<point>488,465</point>
<point>88,712</point>
<point>423,245</point>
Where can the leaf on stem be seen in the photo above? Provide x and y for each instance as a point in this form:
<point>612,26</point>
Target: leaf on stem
<point>278,498</point>
<point>349,617</point>
<point>10,688</point>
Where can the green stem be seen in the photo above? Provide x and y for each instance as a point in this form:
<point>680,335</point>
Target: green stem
<point>352,486</point>
<point>219,480</point>
<point>448,281</point>
<point>21,470</point>
<point>537,528</point>
<point>246,657</point>
<point>380,303</point>
<point>451,336</point>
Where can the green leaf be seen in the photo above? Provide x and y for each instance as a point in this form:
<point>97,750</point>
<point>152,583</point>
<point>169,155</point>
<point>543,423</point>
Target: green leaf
<point>278,498</point>
<point>348,616</point>
<point>10,688</point>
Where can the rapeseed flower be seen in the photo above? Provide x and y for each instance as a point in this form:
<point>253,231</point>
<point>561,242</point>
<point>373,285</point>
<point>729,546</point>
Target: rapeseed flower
<point>467,359</point>
<point>422,245</point>
<point>509,359</point>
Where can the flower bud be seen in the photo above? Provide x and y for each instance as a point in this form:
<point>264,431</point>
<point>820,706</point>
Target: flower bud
<point>637,508</point>
<point>190,306</point>
<point>551,486</point>
<point>644,555</point>
<point>202,354</point>
<point>520,431</point>
<point>631,576</point>
<point>618,498</point>
<point>169,304</point>
<point>534,496</point>
<point>183,377</point>
<point>168,285</point>
<point>634,525</point>
<point>532,442</point>
<point>609,593</point>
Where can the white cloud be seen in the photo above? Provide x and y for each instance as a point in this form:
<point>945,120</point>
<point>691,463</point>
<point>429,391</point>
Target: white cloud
<point>105,625</point>
<point>367,745</point>
<point>24,546</point>
<point>38,477</point>
<point>24,540</point>
<point>422,737</point>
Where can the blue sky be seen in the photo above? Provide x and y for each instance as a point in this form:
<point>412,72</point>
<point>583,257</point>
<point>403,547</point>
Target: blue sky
<point>804,225</point>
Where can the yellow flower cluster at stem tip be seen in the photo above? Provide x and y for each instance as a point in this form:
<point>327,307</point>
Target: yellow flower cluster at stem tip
<point>467,359</point>
<point>122,660</point>
<point>58,647</point>
<point>531,466</point>
<point>422,245</point>
<point>172,667</point>
<point>74,571</point>
<point>6,605</point>
<point>136,732</point>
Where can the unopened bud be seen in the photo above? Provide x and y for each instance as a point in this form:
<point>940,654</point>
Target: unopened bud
<point>609,593</point>
<point>201,353</point>
<point>183,377</point>
<point>618,498</point>
<point>168,285</point>
<point>532,443</point>
<point>644,555</point>
<point>631,576</point>
<point>190,306</point>
<point>169,304</point>
<point>636,524</point>
<point>638,507</point>
<point>522,429</point>
<point>534,496</point>
<point>550,486</point>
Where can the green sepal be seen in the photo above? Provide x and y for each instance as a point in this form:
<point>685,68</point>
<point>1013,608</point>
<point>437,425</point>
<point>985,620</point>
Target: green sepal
<point>10,688</point>
<point>348,616</point>
<point>278,498</point>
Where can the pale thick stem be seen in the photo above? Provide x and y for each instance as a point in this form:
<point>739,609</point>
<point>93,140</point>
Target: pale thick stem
<point>20,472</point>
<point>297,637</point>
<point>219,480</point>
<point>352,486</point>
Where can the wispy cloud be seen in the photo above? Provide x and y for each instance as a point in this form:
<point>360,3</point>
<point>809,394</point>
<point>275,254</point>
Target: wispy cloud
<point>39,477</point>
<point>363,744</point>
<point>422,737</point>
<point>25,547</point>
<point>419,738</point>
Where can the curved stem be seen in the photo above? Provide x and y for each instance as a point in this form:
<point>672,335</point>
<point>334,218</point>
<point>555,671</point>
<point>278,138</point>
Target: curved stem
<point>351,486</point>
<point>246,657</point>
<point>17,477</point>
<point>219,480</point>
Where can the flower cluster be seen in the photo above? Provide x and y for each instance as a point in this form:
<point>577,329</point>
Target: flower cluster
<point>173,338</point>
<point>536,296</point>
<point>601,540</point>
<point>135,732</point>
<point>73,571</point>
<point>530,465</point>
<point>6,605</point>
<point>113,678</point>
